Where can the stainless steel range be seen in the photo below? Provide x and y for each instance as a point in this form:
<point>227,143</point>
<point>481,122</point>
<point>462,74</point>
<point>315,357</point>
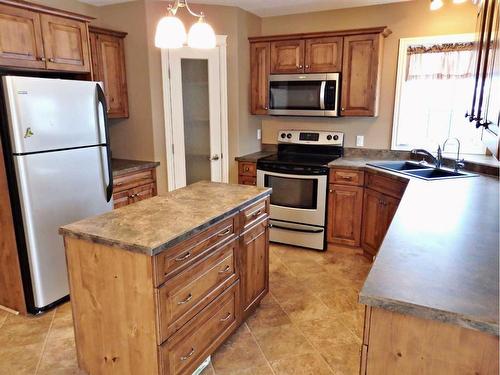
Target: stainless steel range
<point>298,175</point>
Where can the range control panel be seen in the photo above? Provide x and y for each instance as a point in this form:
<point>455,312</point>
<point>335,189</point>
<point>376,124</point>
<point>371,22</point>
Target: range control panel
<point>311,137</point>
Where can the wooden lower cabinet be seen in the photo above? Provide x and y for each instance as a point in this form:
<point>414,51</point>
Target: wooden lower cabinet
<point>134,187</point>
<point>165,314</point>
<point>345,209</point>
<point>254,255</point>
<point>378,211</point>
<point>396,344</point>
<point>247,173</point>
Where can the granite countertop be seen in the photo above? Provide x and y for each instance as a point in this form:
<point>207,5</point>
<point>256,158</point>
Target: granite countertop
<point>439,259</point>
<point>153,225</point>
<point>255,156</point>
<point>124,166</point>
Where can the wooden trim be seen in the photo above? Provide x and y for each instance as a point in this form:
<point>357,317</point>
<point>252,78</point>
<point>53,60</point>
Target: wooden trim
<point>372,30</point>
<point>45,9</point>
<point>100,30</point>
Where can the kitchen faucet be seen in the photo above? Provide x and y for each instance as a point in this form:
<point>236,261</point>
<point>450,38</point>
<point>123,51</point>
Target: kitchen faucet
<point>459,163</point>
<point>438,161</point>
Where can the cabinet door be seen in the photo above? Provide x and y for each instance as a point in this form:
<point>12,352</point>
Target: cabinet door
<point>142,192</point>
<point>109,67</point>
<point>121,199</point>
<point>345,205</point>
<point>390,205</point>
<point>20,38</point>
<point>360,75</point>
<point>260,62</point>
<point>287,56</point>
<point>323,55</point>
<point>374,221</point>
<point>254,266</point>
<point>66,44</point>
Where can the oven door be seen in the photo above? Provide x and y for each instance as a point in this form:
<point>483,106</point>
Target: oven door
<point>296,198</point>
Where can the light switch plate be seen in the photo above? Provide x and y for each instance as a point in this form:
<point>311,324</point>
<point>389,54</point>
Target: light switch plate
<point>360,141</point>
<point>259,133</point>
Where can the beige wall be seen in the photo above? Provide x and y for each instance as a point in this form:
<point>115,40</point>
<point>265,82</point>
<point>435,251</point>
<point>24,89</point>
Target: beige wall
<point>408,19</point>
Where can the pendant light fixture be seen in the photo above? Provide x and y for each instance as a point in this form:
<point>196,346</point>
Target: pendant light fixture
<point>171,33</point>
<point>436,4</point>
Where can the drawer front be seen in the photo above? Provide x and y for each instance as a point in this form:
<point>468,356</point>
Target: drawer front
<point>247,169</point>
<point>185,295</point>
<point>185,351</point>
<point>347,177</point>
<point>132,180</point>
<point>121,199</point>
<point>142,192</point>
<point>385,185</point>
<point>172,261</point>
<point>247,180</point>
<point>254,213</point>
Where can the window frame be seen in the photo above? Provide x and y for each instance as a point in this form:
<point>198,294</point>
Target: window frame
<point>404,43</point>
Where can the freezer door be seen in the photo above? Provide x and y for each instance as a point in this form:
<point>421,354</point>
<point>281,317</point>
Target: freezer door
<point>57,188</point>
<point>52,114</point>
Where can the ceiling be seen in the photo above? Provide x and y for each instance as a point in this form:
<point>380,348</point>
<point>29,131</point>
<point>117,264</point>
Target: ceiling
<point>266,8</point>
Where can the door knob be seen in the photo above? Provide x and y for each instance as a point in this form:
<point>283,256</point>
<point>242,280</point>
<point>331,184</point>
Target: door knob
<point>215,157</point>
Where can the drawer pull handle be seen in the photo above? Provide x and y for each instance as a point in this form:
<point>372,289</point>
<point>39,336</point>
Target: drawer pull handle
<point>349,178</point>
<point>184,257</point>
<point>187,356</point>
<point>189,298</point>
<point>226,318</point>
<point>225,270</point>
<point>256,213</point>
<point>225,233</point>
<point>247,169</point>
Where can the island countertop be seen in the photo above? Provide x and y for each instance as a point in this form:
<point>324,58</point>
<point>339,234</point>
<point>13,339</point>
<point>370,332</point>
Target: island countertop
<point>439,259</point>
<point>154,225</point>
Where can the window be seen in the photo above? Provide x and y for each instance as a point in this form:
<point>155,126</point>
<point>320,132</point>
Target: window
<point>433,92</point>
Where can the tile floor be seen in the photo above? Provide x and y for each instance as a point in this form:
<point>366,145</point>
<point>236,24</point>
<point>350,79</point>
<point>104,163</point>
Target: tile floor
<point>310,323</point>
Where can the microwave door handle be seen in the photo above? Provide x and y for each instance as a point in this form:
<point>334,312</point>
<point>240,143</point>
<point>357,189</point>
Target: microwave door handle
<point>322,92</point>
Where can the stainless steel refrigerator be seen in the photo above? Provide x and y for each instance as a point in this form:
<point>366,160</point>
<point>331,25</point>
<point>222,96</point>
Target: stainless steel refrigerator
<point>56,146</point>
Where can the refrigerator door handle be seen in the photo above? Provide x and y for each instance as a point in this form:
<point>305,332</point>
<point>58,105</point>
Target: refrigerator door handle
<point>101,99</point>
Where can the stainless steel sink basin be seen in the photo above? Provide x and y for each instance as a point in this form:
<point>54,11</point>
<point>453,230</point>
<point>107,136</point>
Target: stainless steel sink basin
<point>437,174</point>
<point>422,171</point>
<point>400,165</point>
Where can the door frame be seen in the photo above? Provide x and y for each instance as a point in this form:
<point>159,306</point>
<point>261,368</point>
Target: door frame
<point>167,109</point>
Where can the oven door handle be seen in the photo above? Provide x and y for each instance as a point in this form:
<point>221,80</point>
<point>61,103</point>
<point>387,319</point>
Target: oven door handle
<point>297,229</point>
<point>322,92</point>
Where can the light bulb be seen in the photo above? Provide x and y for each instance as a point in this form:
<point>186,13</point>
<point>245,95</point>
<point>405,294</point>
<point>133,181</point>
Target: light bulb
<point>436,4</point>
<point>170,33</point>
<point>201,35</point>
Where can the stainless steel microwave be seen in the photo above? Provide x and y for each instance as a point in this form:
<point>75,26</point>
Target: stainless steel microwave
<point>304,94</point>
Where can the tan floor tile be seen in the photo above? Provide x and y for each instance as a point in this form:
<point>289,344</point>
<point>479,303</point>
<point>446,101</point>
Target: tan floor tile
<point>339,300</point>
<point>239,351</point>
<point>304,307</point>
<point>328,332</point>
<point>306,364</point>
<point>21,342</point>
<point>344,360</point>
<point>209,370</point>
<point>268,314</point>
<point>282,341</point>
<point>59,356</point>
<point>354,320</point>
<point>3,316</point>
<point>255,370</point>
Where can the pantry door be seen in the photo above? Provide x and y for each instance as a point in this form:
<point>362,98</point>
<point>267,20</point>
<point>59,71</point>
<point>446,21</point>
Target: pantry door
<point>196,115</point>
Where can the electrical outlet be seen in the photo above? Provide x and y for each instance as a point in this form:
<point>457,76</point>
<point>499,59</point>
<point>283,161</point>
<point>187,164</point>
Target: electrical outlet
<point>360,141</point>
<point>259,133</point>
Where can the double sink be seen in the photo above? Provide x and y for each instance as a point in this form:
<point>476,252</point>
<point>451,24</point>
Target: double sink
<point>419,170</point>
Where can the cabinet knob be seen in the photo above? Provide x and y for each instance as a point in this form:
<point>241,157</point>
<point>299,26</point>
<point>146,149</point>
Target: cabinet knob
<point>51,59</point>
<point>307,66</point>
<point>300,66</point>
<point>343,109</point>
<point>41,58</point>
<point>266,108</point>
<point>331,191</point>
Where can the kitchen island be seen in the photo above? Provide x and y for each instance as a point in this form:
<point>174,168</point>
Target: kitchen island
<point>432,295</point>
<point>158,285</point>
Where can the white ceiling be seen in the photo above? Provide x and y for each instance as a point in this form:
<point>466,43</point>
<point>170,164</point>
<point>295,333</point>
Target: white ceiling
<point>266,8</point>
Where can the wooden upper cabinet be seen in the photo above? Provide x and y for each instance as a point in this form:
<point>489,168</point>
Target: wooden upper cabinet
<point>323,55</point>
<point>287,56</point>
<point>38,37</point>
<point>20,38</point>
<point>66,43</point>
<point>260,55</point>
<point>108,60</point>
<point>360,75</point>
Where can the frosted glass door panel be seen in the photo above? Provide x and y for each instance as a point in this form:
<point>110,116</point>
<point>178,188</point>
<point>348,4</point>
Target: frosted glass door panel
<point>196,106</point>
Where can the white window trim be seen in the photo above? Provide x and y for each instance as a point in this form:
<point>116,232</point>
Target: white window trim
<point>404,43</point>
